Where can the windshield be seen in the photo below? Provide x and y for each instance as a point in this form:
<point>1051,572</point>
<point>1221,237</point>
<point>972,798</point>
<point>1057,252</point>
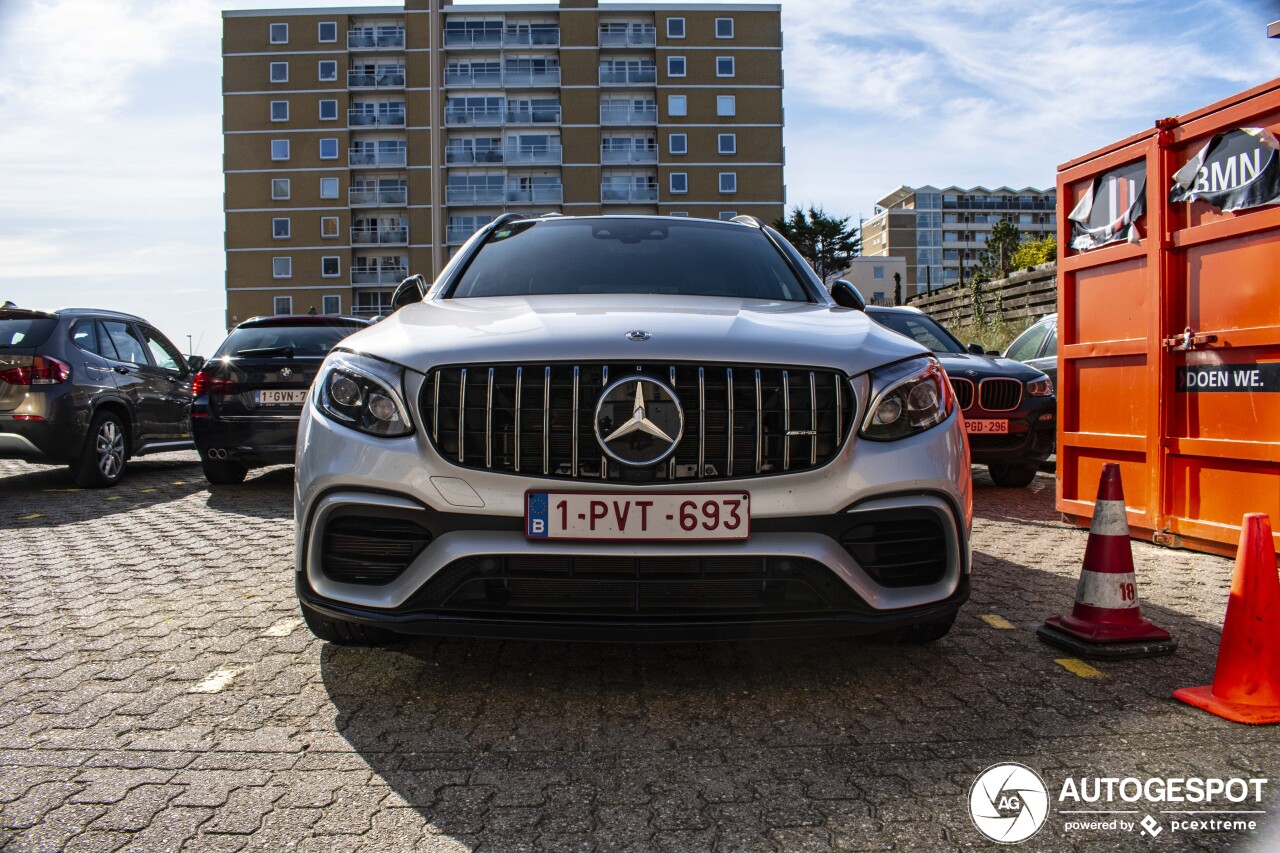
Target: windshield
<point>921,329</point>
<point>624,255</point>
<point>25,331</point>
<point>291,341</point>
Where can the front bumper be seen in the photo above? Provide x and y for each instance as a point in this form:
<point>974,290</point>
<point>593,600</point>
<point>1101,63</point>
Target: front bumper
<point>1032,434</point>
<point>472,514</point>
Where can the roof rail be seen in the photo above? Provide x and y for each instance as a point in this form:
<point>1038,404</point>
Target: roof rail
<point>507,217</point>
<point>744,219</point>
<point>550,214</point>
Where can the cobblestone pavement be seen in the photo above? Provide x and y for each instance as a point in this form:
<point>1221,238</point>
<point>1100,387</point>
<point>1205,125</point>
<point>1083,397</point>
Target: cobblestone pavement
<point>158,692</point>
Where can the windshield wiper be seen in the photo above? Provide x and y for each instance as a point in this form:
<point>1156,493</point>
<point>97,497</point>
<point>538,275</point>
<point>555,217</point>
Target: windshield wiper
<point>266,352</point>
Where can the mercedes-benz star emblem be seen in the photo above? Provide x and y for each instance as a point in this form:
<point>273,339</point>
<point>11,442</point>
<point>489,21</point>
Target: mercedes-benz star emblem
<point>638,335</point>
<point>639,421</point>
<point>286,372</point>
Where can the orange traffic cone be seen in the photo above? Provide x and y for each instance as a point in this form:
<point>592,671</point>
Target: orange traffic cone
<point>1105,622</point>
<point>1246,682</point>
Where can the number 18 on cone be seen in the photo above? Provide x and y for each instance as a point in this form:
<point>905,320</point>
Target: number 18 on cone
<point>1105,622</point>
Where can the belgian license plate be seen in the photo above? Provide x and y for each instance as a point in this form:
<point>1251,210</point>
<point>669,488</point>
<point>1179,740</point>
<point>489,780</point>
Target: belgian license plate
<point>983,426</point>
<point>619,516</point>
<point>279,396</point>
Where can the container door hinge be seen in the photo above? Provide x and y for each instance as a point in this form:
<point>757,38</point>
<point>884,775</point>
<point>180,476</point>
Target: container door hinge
<point>1188,341</point>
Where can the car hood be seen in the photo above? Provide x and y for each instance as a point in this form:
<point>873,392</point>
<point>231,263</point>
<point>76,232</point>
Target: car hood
<point>982,366</point>
<point>594,328</point>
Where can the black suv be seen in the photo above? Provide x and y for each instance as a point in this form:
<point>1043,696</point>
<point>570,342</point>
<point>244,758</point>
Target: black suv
<point>1009,408</point>
<point>91,389</point>
<point>249,395</point>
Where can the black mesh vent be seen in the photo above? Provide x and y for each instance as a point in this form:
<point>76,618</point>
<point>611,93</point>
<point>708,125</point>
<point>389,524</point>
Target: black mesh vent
<point>899,548</point>
<point>370,549</point>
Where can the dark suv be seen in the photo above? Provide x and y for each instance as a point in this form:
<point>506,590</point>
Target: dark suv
<point>1009,408</point>
<point>250,393</point>
<point>91,389</point>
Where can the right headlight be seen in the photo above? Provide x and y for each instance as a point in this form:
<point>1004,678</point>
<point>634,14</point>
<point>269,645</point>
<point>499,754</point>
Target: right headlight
<point>907,398</point>
<point>361,393</point>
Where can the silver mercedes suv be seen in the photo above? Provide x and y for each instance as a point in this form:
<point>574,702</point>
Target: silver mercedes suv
<point>630,428</point>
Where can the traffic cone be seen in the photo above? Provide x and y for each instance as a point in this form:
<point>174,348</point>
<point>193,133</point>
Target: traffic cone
<point>1246,682</point>
<point>1105,622</point>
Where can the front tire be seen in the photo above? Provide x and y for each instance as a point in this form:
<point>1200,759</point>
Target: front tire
<point>1012,476</point>
<point>105,453</point>
<point>342,633</point>
<point>221,473</point>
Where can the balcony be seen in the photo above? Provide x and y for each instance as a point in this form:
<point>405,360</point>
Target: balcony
<point>380,275</point>
<point>616,194</point>
<point>473,79</point>
<point>358,158</point>
<point>629,155</point>
<point>474,38</point>
<point>382,235</point>
<point>360,118</point>
<point>628,114</point>
<point>460,194</point>
<point>388,79</point>
<point>551,154</point>
<point>631,38</point>
<point>473,116</point>
<point>528,79</point>
<point>546,194</point>
<point>369,312</point>
<point>646,76</point>
<point>533,115</point>
<point>466,156</point>
<point>371,197</point>
<point>359,40</point>
<point>456,235</point>
<point>531,38</point>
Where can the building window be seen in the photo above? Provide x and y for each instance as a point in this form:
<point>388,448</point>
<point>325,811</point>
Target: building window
<point>330,266</point>
<point>279,33</point>
<point>675,28</point>
<point>329,70</point>
<point>728,214</point>
<point>724,28</point>
<point>678,213</point>
<point>726,105</point>
<point>727,143</point>
<point>679,182</point>
<point>332,304</point>
<point>283,305</point>
<point>675,66</point>
<point>877,296</point>
<point>279,189</point>
<point>279,149</point>
<point>329,149</point>
<point>328,110</point>
<point>279,72</point>
<point>678,143</point>
<point>279,110</point>
<point>328,188</point>
<point>328,32</point>
<point>877,273</point>
<point>728,182</point>
<point>280,228</point>
<point>677,105</point>
<point>724,66</point>
<point>282,268</point>
<point>329,227</point>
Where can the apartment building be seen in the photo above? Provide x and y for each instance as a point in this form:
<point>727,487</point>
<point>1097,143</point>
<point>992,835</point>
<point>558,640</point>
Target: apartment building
<point>366,143</point>
<point>941,232</point>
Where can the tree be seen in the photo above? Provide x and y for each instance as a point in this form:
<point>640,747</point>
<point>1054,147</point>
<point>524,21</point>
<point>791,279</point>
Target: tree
<point>1031,252</point>
<point>897,288</point>
<point>827,243</point>
<point>996,261</point>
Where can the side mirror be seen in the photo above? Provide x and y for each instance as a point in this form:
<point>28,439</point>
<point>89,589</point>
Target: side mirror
<point>411,290</point>
<point>847,296</point>
<point>195,362</point>
<point>976,349</point>
<point>993,353</point>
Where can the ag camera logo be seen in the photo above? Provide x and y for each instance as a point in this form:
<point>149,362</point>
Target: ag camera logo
<point>1008,803</point>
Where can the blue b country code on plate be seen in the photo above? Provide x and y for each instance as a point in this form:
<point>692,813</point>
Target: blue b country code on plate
<point>536,515</point>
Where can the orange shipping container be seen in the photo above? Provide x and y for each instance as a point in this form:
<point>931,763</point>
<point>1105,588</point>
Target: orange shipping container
<point>1169,323</point>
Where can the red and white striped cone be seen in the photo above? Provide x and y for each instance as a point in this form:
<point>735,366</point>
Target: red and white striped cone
<point>1106,622</point>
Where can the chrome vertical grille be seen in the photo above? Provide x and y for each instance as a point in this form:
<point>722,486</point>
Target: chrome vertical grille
<point>740,421</point>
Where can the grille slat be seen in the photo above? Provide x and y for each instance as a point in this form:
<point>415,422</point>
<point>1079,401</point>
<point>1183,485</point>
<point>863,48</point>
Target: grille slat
<point>964,392</point>
<point>999,395</point>
<point>504,419</point>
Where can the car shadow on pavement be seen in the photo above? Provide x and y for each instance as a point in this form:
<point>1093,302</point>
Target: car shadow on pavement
<point>47,496</point>
<point>263,494</point>
<point>770,745</point>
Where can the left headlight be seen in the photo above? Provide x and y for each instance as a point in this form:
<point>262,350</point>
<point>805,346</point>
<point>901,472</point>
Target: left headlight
<point>1041,387</point>
<point>363,393</point>
<point>907,398</point>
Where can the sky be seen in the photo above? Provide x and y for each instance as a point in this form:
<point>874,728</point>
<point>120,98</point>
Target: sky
<point>111,114</point>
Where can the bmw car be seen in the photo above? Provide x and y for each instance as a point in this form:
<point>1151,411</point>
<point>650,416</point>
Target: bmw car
<point>630,429</point>
<point>1009,407</point>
